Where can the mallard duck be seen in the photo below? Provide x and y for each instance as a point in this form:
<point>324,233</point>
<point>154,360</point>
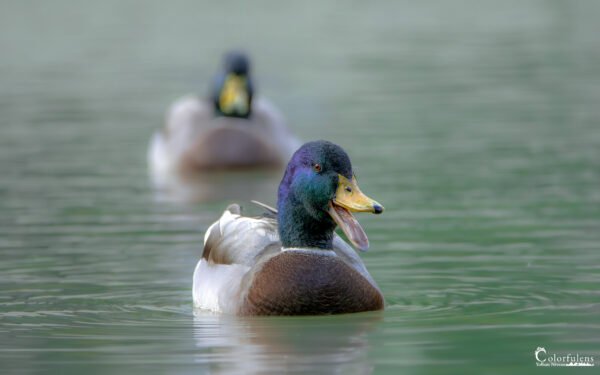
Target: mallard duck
<point>230,129</point>
<point>289,261</point>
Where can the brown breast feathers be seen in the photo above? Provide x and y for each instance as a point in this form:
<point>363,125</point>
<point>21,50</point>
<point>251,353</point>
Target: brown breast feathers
<point>305,283</point>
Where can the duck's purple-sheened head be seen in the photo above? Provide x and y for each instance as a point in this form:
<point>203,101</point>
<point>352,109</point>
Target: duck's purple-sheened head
<point>318,191</point>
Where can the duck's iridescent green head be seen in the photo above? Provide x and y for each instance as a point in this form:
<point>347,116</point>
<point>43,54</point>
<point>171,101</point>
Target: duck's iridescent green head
<point>318,191</point>
<point>232,89</point>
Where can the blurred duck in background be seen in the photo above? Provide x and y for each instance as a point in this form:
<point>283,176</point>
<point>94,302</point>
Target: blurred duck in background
<point>232,129</point>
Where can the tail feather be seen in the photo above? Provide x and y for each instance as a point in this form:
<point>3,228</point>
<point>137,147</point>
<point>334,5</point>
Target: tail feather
<point>234,208</point>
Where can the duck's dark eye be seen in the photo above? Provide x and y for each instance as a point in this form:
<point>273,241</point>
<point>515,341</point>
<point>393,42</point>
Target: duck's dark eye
<point>348,189</point>
<point>317,167</point>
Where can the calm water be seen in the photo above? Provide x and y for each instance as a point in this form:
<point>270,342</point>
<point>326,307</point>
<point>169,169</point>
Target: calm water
<point>476,125</point>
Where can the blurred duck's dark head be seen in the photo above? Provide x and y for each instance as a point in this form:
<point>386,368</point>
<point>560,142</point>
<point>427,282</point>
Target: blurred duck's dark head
<point>318,191</point>
<point>232,89</point>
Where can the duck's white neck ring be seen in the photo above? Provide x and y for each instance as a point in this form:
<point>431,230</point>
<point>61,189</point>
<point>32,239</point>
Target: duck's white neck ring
<point>309,250</point>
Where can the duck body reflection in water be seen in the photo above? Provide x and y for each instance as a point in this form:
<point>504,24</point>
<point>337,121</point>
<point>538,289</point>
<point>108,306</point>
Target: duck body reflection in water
<point>289,261</point>
<point>259,345</point>
<point>230,129</point>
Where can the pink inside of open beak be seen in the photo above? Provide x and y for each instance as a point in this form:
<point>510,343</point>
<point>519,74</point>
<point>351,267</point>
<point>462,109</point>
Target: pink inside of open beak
<point>350,226</point>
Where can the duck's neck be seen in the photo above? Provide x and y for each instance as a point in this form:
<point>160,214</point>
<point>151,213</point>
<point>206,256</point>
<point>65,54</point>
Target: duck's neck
<point>299,228</point>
